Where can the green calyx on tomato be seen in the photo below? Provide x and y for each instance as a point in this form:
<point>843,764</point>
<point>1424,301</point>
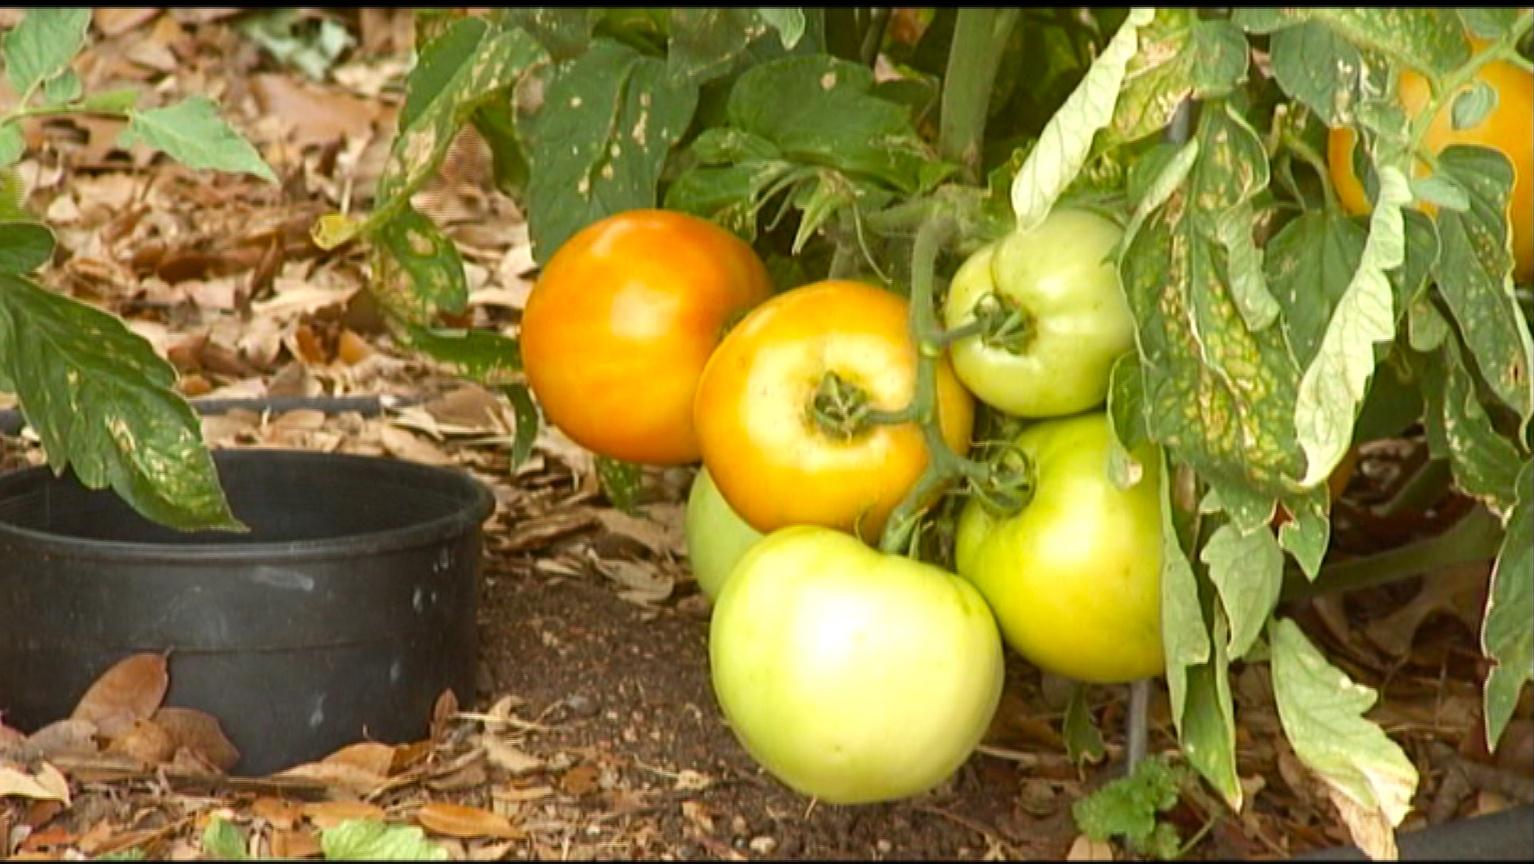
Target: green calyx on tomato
<point>829,348</point>
<point>1074,578</point>
<point>1048,313</point>
<point>716,535</point>
<point>852,675</point>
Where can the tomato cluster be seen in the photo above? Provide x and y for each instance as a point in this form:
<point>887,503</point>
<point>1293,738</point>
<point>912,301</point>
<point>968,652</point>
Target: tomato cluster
<point>855,675</point>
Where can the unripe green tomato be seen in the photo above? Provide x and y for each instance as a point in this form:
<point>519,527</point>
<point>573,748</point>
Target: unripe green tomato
<point>1075,577</point>
<point>1062,280</point>
<point>716,535</point>
<point>851,675</point>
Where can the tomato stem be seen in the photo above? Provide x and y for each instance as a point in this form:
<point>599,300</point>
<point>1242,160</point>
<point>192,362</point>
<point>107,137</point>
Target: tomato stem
<point>1004,324</point>
<point>1007,483</point>
<point>1475,537</point>
<point>979,35</point>
<point>843,410</point>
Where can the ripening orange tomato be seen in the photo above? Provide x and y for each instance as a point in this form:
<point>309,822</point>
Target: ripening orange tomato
<point>1508,128</point>
<point>621,322</point>
<point>773,461</point>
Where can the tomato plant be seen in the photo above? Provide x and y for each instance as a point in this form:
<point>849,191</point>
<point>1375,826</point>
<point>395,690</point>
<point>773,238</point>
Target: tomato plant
<point>1051,312</point>
<point>1075,576</point>
<point>786,411</point>
<point>621,322</point>
<point>1507,127</point>
<point>852,675</point>
<point>716,535</point>
<point>1262,333</point>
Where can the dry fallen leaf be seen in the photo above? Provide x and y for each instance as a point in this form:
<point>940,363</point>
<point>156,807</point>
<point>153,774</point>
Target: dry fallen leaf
<point>338,775</point>
<point>311,114</point>
<point>1370,828</point>
<point>457,820</point>
<point>580,780</point>
<point>200,733</point>
<point>146,742</point>
<point>509,758</point>
<point>1456,590</point>
<point>65,737</point>
<point>368,756</point>
<point>1084,848</point>
<point>283,815</point>
<point>47,784</point>
<point>129,691</point>
<point>294,844</point>
<point>329,814</point>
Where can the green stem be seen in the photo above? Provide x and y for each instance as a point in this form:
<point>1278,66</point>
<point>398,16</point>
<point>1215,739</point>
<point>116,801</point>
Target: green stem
<point>1316,163</point>
<point>978,39</point>
<point>1445,87</point>
<point>1421,490</point>
<point>873,37</point>
<point>943,465</point>
<point>1473,538</point>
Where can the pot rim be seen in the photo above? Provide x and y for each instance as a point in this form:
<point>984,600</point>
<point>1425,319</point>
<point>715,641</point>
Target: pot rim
<point>472,504</point>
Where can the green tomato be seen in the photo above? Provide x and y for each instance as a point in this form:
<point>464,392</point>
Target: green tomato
<point>1075,577</point>
<point>1061,280</point>
<point>716,535</point>
<point>851,675</point>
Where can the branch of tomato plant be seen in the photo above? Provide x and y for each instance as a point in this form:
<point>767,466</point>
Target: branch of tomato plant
<point>1475,537</point>
<point>1447,86</point>
<point>978,39</point>
<point>873,37</point>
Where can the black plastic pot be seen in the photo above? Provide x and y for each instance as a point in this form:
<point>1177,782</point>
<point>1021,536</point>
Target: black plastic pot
<point>1507,835</point>
<point>341,616</point>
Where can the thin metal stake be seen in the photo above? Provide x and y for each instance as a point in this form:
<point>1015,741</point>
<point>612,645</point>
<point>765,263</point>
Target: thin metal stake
<point>1138,722</point>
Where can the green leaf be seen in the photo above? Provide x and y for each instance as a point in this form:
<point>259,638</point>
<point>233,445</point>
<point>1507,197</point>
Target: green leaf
<point>1067,137</point>
<point>132,853</point>
<point>223,841</point>
<point>1243,261</point>
<point>496,123</point>
<point>12,143</point>
<point>1180,56</point>
<point>62,88</point>
<point>1306,535</point>
<point>820,110</point>
<point>440,107</point>
<point>101,400</point>
<point>1247,570</point>
<point>1247,508</point>
<point>192,133</point>
<point>1219,395</point>
<point>1311,262</point>
<point>1485,463</point>
<point>24,246</point>
<point>622,481</point>
<point>1316,65</point>
<point>1127,807</point>
<point>706,42</point>
<point>1083,740</point>
<point>1126,417</point>
<point>1184,636</point>
<point>1488,23</point>
<point>1473,275</point>
<point>789,22</point>
<point>1473,105</point>
<point>564,32</point>
<point>1507,636</point>
<point>1440,191</point>
<point>526,412</point>
<point>487,357</point>
<point>1208,733</point>
<point>366,840</point>
<point>42,45</point>
<point>429,258</point>
<point>1429,40</point>
<point>442,61</point>
<point>597,146</point>
<point>1336,381</point>
<point>1322,714</point>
